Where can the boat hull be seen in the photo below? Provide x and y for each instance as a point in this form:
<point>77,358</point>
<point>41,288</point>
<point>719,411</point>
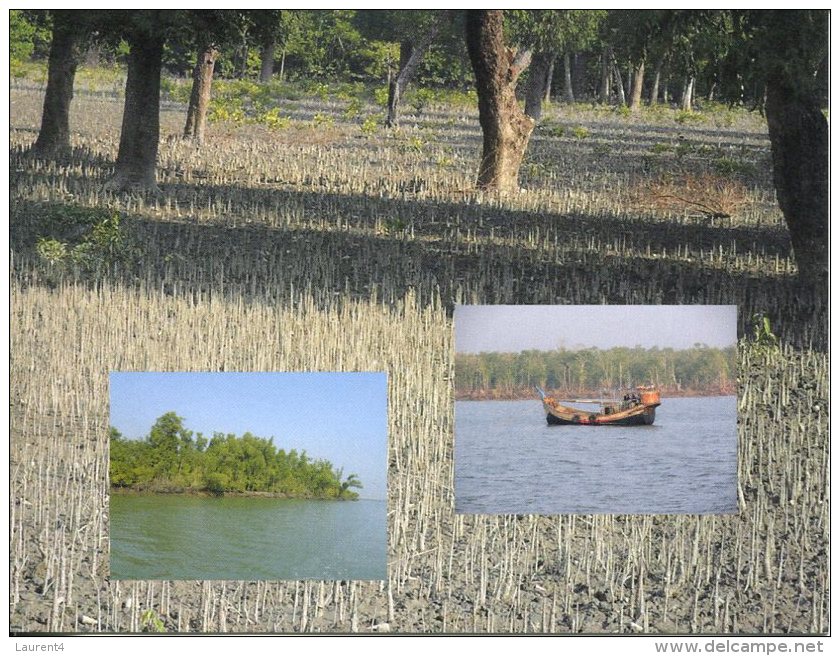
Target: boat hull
<point>559,415</point>
<point>583,419</point>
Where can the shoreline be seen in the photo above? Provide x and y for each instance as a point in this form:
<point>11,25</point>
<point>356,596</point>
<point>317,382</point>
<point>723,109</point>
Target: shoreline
<point>127,491</point>
<point>527,395</point>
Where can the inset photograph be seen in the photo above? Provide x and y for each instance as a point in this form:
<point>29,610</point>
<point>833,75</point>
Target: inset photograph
<point>596,409</point>
<point>248,476</point>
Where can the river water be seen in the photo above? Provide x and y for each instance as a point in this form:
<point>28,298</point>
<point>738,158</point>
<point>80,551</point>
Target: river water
<point>509,461</point>
<point>177,537</point>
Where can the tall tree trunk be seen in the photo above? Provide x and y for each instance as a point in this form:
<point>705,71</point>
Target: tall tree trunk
<point>568,89</point>
<point>799,143</point>
<point>687,94</point>
<point>282,64</point>
<point>619,86</point>
<point>505,126</point>
<point>411,54</point>
<point>606,68</point>
<point>535,90</point>
<point>636,90</point>
<point>549,78</point>
<point>54,136</point>
<point>396,86</point>
<point>654,90</point>
<point>200,95</point>
<point>267,58</point>
<point>137,156</point>
<point>580,66</point>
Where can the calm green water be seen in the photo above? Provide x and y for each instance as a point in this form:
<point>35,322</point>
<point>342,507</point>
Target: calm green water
<point>188,537</point>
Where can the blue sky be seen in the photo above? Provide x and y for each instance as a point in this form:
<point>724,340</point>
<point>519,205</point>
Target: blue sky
<point>341,417</point>
<point>513,328</point>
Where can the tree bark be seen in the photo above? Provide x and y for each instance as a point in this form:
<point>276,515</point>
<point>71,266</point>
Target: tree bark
<point>687,94</point>
<point>606,67</point>
<point>549,77</point>
<point>137,156</point>
<point>711,95</point>
<point>654,90</point>
<point>411,54</point>
<point>267,59</point>
<point>54,136</point>
<point>505,126</point>
<point>535,90</point>
<point>619,86</point>
<point>568,88</point>
<point>200,95</point>
<point>636,90</point>
<point>799,143</point>
<point>396,86</point>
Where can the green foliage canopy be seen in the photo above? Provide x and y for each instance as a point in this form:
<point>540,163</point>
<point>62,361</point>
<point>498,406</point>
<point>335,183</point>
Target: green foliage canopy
<point>174,459</point>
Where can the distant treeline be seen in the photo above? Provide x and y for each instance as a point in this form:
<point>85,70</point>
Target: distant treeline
<point>698,370</point>
<point>173,459</point>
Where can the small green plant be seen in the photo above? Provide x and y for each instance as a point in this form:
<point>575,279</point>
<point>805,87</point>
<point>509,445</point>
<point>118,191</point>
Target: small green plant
<point>321,89</point>
<point>371,124</point>
<point>416,143</point>
<point>660,148</point>
<point>762,332</point>
<point>421,99</point>
<point>51,250</point>
<point>684,148</point>
<point>553,130</point>
<point>623,111</point>
<point>150,622</point>
<point>729,166</point>
<point>380,96</point>
<point>687,116</point>
<point>322,120</point>
<point>395,224</point>
<point>95,238</point>
<point>273,120</point>
<point>353,109</point>
<point>226,109</point>
<point>175,90</point>
<point>580,132</point>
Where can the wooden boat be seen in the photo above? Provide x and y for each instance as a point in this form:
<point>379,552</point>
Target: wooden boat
<point>636,408</point>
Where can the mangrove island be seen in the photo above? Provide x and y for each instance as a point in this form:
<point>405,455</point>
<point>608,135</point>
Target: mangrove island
<point>172,459</point>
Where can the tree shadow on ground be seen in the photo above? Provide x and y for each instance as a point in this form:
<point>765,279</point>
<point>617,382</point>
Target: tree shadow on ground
<point>432,257</point>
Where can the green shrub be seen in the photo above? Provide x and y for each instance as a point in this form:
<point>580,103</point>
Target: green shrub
<point>730,166</point>
<point>371,124</point>
<point>93,238</point>
<point>684,148</point>
<point>682,117</point>
<point>421,99</point>
<point>151,622</point>
<point>175,90</point>
<point>380,96</point>
<point>273,120</point>
<point>322,120</point>
<point>353,109</point>
<point>217,483</point>
<point>51,250</point>
<point>580,132</point>
<point>553,130</point>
